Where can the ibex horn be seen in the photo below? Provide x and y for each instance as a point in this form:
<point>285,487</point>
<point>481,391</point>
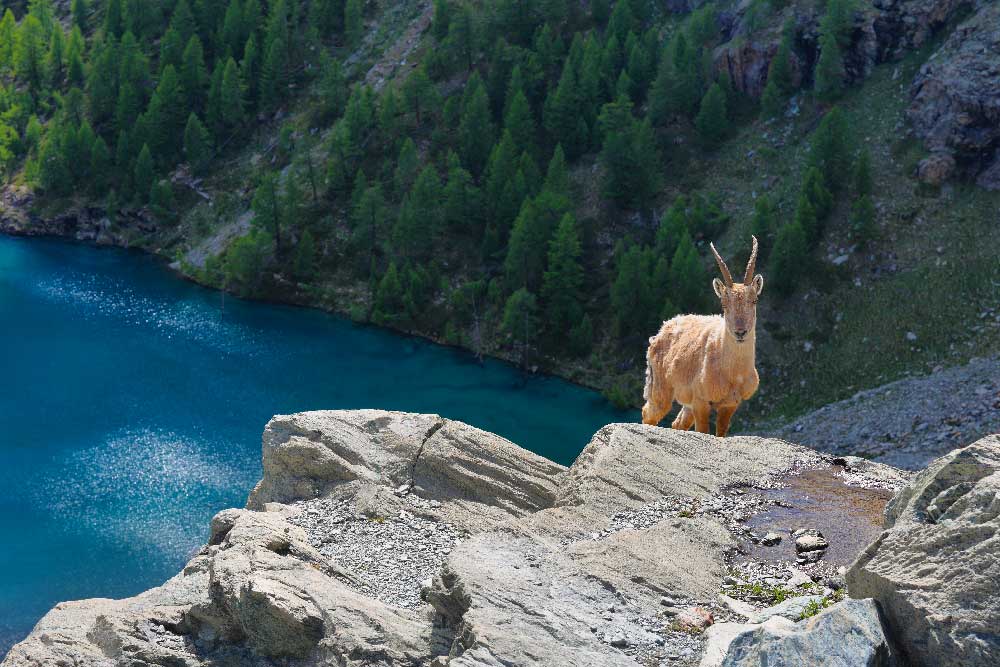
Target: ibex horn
<point>751,263</point>
<point>722,266</point>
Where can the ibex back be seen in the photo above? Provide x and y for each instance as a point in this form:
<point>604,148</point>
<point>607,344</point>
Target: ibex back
<point>706,361</point>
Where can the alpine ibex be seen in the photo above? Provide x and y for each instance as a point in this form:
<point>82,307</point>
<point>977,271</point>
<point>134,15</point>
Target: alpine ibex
<point>706,361</point>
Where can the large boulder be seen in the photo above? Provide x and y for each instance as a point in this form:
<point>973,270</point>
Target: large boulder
<point>935,568</point>
<point>849,634</point>
<point>955,101</point>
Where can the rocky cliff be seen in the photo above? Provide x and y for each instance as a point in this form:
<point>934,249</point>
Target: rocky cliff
<point>380,538</point>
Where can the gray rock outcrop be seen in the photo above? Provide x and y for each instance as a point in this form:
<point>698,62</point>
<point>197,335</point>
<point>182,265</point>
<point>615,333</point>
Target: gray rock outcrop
<point>935,568</point>
<point>955,102</point>
<point>391,539</point>
<point>849,634</point>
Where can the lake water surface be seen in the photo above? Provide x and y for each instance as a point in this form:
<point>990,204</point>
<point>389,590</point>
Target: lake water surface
<point>132,412</point>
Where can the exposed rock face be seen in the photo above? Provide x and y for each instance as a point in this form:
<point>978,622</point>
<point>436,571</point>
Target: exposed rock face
<point>849,633</point>
<point>935,568</point>
<point>955,105</point>
<point>882,31</point>
<point>390,539</point>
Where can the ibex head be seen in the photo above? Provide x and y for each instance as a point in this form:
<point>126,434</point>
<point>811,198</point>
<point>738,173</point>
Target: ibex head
<point>739,301</point>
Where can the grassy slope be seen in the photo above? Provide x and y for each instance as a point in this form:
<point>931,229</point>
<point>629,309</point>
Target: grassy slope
<point>941,243</point>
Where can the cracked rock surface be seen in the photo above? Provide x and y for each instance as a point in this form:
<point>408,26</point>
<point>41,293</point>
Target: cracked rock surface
<point>391,539</point>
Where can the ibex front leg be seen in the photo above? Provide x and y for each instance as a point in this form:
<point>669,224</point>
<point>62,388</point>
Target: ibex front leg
<point>723,415</point>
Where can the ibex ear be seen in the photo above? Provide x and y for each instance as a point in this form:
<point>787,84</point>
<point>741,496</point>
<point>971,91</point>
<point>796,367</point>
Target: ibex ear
<point>758,284</point>
<point>719,287</point>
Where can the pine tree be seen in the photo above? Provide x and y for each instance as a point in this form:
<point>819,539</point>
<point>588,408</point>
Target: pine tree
<point>502,201</point>
<point>353,22</point>
<point>250,71</point>
<point>806,221</point>
<point>75,74</point>
<point>863,184</point>
<point>78,14</point>
<point>772,102</point>
<point>304,260</point>
<point>524,265</point>
<point>194,76</point>
<point>100,166</point>
<point>231,36</point>
<point>171,49</point>
<point>419,93</point>
<point>8,36</point>
<point>266,205</point>
<point>143,174</point>
<point>29,53</point>
<point>831,149</point>
<point>214,102</point>
<point>789,257</point>
<point>231,96</point>
<point>461,197</point>
<point>463,38</point>
<point>161,201</point>
<point>829,68</point>
<point>688,277</point>
<point>563,280</point>
<point>863,219</point>
<point>815,190</point>
<point>388,306</point>
<point>628,155</point>
<point>600,10</point>
<point>332,87</point>
<point>562,115</point>
<point>165,113</point>
<point>55,59</point>
<point>475,130</point>
<point>556,177</point>
<point>113,21</point>
<point>420,217</point>
<point>273,85</point>
<point>369,226</point>
<point>520,320</point>
<point>520,122</point>
<point>779,70</point>
<point>712,122</point>
<point>632,300</point>
<point>441,21</point>
<point>407,167</point>
<point>197,144</point>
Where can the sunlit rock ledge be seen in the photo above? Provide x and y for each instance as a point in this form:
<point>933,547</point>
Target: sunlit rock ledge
<point>386,538</point>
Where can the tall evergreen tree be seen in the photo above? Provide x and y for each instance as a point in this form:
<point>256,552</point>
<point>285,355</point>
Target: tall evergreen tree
<point>197,144</point>
<point>194,76</point>
<point>788,259</point>
<point>143,175</point>
<point>267,209</point>
<point>830,72</point>
<point>231,96</point>
<point>520,320</point>
<point>353,22</point>
<point>29,53</point>
<point>562,284</point>
<point>562,115</point>
<point>79,14</point>
<point>712,121</point>
<point>475,130</point>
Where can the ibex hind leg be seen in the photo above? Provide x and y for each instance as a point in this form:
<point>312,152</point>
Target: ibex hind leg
<point>684,419</point>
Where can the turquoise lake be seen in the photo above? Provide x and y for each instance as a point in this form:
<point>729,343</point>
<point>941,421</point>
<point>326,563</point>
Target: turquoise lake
<point>132,412</point>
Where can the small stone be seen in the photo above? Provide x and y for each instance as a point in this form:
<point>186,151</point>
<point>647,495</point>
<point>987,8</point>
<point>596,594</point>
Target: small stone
<point>770,539</point>
<point>619,640</point>
<point>811,542</point>
<point>910,336</point>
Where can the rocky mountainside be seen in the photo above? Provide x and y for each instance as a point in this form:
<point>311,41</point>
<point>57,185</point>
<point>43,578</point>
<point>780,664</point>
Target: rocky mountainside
<point>381,538</point>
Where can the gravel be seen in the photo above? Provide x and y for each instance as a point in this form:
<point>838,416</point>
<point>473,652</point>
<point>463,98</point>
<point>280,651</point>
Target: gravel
<point>390,556</point>
<point>909,422</point>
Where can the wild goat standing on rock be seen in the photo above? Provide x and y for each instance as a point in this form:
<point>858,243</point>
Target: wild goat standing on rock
<point>706,361</point>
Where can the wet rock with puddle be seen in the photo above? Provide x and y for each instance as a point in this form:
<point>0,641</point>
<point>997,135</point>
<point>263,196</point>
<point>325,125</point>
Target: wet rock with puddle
<point>820,501</point>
